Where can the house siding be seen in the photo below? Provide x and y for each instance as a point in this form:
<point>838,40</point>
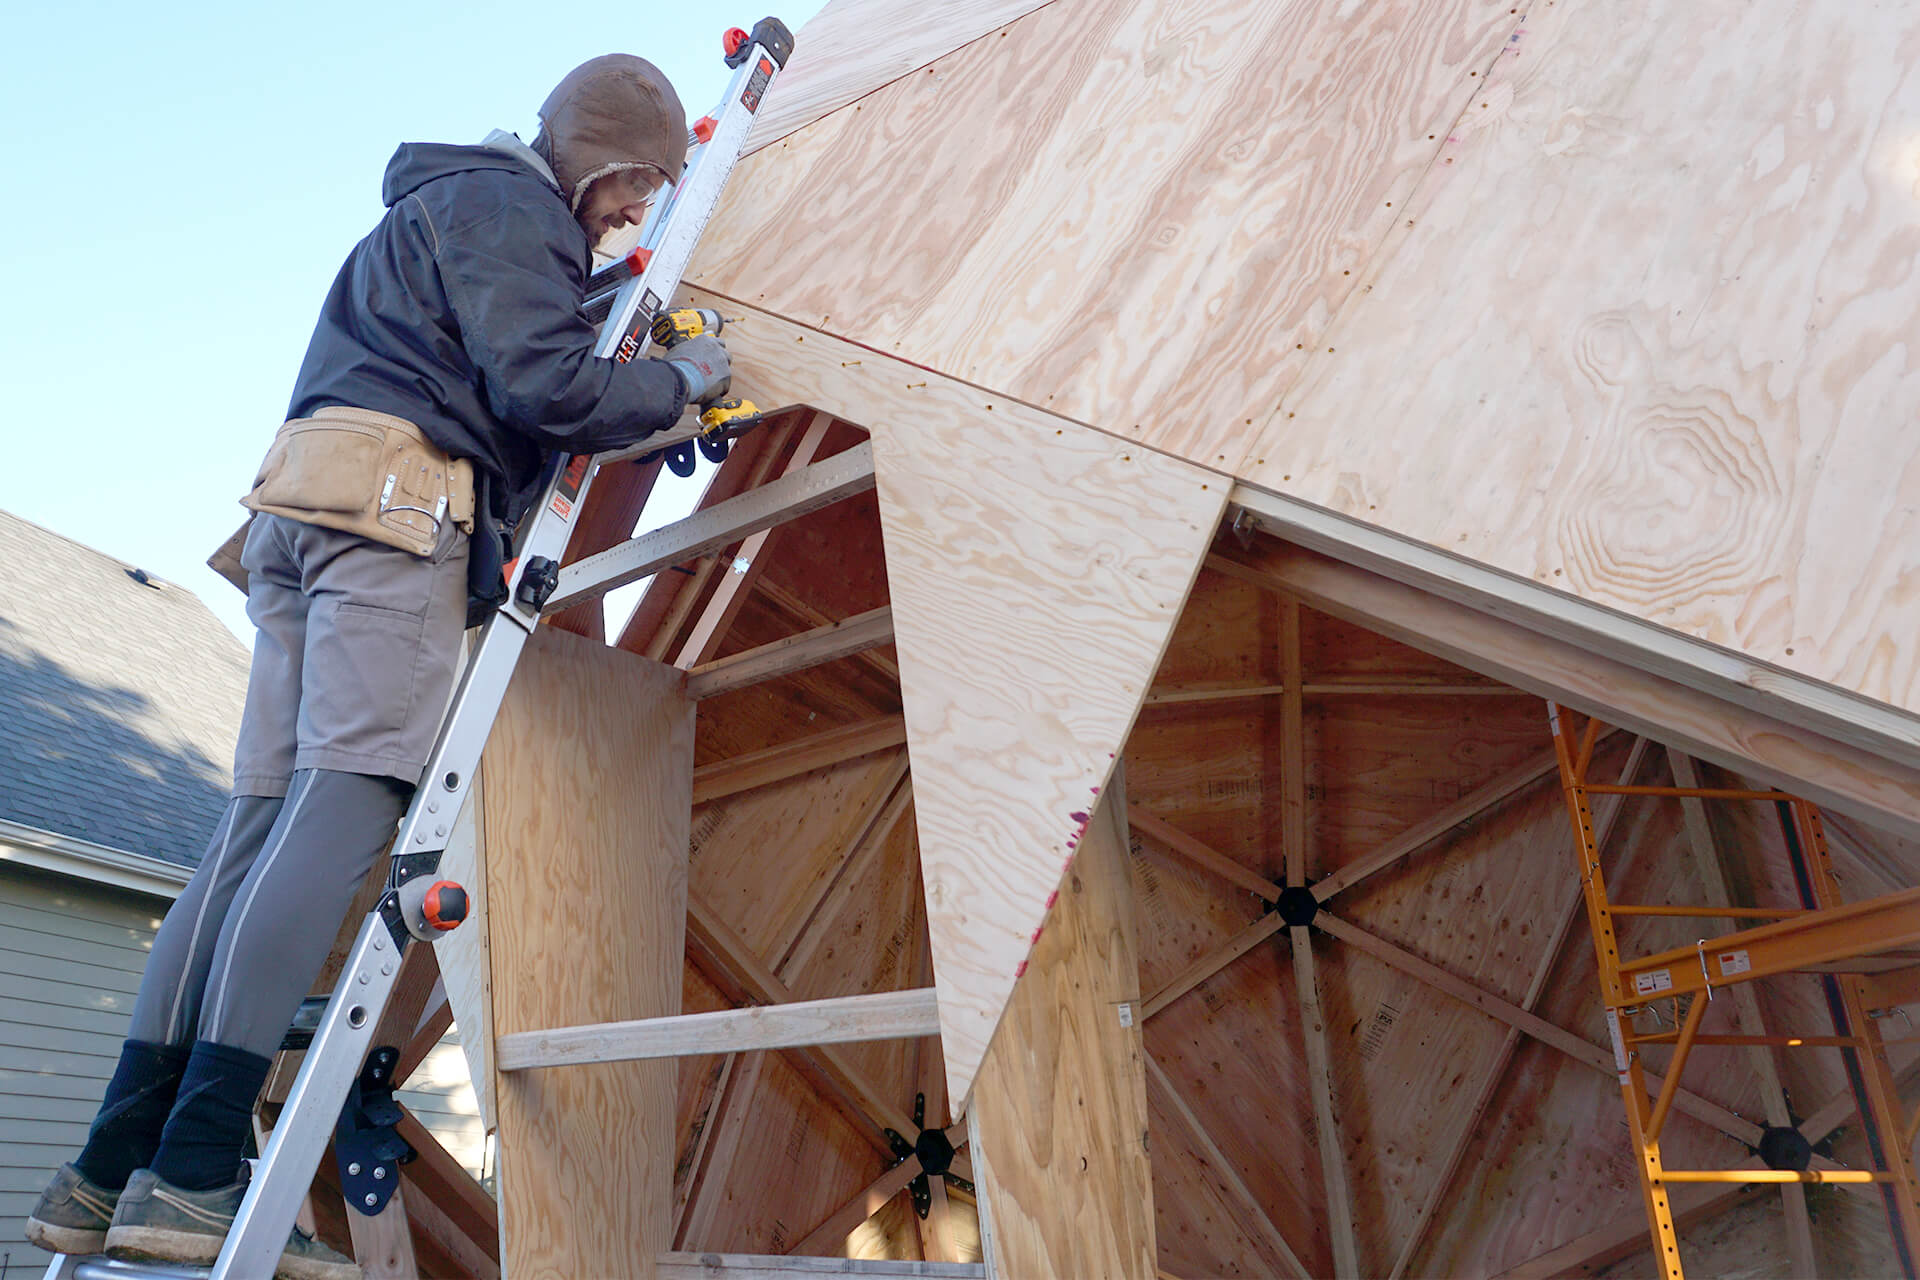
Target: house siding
<point>71,955</point>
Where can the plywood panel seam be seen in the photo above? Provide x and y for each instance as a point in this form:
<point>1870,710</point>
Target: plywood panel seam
<point>1382,254</point>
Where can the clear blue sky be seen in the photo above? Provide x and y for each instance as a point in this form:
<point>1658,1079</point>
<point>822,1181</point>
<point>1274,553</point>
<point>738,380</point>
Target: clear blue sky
<point>181,187</point>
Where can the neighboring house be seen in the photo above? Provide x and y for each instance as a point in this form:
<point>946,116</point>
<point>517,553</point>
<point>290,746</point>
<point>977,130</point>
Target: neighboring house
<point>120,697</point>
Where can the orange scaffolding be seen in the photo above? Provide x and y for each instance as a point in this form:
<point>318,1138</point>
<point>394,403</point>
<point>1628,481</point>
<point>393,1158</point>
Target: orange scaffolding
<point>1822,931</point>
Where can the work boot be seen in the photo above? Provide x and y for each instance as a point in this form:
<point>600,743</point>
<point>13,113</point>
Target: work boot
<point>73,1214</point>
<point>158,1222</point>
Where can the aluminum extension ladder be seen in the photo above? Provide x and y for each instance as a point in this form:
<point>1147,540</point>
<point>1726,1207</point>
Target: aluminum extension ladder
<point>630,293</point>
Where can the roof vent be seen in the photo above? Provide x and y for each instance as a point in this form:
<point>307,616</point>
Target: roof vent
<point>144,578</point>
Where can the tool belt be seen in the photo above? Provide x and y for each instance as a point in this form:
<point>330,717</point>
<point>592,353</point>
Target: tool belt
<point>360,472</point>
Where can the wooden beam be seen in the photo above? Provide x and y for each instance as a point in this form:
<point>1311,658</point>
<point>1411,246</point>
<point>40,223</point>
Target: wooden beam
<point>762,768</point>
<point>1256,1218</point>
<point>650,629</point>
<point>724,605</point>
<point>800,611</point>
<point>794,939</point>
<point>432,1222</point>
<point>729,1127</point>
<point>1709,863</point>
<point>1293,748</point>
<point>1333,1161</point>
<point>1743,1131</point>
<point>614,506</point>
<point>1397,686</point>
<point>1606,815</point>
<point>844,1221</point>
<point>454,1191</point>
<point>783,657</point>
<point>591,930</point>
<point>1828,771</point>
<point>434,1024</point>
<point>887,1015</point>
<point>1627,1234</point>
<point>1249,937</point>
<point>788,498</point>
<point>837,1078</point>
<point>936,1229</point>
<point>1201,855</point>
<point>1427,830</point>
<point>1774,694</point>
<point>383,1243</point>
<point>1619,1237</point>
<point>1059,1108</point>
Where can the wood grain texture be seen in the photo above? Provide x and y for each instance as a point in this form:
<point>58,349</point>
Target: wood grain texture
<point>887,1015</point>
<point>830,643</point>
<point>1641,336</point>
<point>853,47</point>
<point>1830,772</point>
<point>1030,608</point>
<point>1326,1108</point>
<point>1059,1109</point>
<point>590,772</point>
<point>753,769</point>
<point>1070,214</point>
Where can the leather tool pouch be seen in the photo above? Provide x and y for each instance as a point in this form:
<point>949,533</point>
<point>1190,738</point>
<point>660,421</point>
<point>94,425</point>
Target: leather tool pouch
<point>361,472</point>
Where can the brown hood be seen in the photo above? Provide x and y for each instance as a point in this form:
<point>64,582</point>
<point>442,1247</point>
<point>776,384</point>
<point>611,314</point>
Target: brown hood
<point>612,113</point>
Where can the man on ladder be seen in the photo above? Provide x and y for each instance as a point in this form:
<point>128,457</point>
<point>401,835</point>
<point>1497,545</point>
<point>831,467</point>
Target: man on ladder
<point>450,359</point>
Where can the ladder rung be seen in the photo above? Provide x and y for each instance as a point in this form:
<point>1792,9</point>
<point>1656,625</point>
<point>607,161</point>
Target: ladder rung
<point>1684,793</point>
<point>1732,913</point>
<point>113,1269</point>
<point>1785,1042</point>
<point>1773,1175</point>
<point>788,498</point>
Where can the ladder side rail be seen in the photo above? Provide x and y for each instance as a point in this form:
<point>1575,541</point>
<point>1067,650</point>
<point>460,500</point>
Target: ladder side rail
<point>285,1171</point>
<point>1868,1068</point>
<point>1573,758</point>
<point>625,335</point>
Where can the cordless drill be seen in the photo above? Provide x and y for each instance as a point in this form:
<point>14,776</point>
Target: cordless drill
<point>680,324</point>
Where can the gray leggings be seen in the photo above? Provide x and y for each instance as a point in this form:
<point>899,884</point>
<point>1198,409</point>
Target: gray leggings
<point>242,944</point>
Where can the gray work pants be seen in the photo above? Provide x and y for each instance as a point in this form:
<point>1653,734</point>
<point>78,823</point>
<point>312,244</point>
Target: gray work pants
<point>352,667</point>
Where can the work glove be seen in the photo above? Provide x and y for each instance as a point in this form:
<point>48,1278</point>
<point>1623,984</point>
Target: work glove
<point>704,369</point>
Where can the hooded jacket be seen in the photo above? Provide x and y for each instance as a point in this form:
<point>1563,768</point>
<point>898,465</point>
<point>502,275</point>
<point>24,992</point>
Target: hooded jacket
<point>460,312</point>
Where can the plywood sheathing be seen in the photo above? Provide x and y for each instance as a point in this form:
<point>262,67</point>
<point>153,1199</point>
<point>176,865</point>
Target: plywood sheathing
<point>1059,1110</point>
<point>1595,295</point>
<point>1073,214</point>
<point>1658,272</point>
<point>853,47</point>
<point>590,769</point>
<point>1031,604</point>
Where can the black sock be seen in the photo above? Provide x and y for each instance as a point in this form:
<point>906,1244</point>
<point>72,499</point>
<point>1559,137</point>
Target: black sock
<point>212,1116</point>
<point>126,1132</point>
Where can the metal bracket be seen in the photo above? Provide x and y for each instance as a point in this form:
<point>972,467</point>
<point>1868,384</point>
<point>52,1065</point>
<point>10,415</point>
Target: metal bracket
<point>366,1144</point>
<point>933,1150</point>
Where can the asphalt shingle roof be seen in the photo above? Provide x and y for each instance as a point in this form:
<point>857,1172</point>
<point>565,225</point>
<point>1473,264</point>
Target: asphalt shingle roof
<point>119,702</point>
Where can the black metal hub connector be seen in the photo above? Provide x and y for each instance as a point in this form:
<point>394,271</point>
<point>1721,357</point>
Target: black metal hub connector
<point>1297,906</point>
<point>935,1154</point>
<point>1782,1147</point>
<point>366,1143</point>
